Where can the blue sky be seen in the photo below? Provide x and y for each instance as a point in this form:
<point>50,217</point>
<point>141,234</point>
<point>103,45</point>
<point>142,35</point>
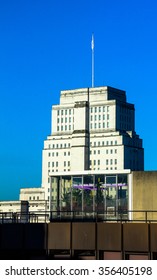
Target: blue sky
<point>45,47</point>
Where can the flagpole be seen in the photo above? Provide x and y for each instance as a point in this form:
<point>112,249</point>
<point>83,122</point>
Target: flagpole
<point>92,46</point>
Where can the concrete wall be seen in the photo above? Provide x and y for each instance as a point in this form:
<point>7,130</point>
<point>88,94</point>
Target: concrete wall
<point>144,194</point>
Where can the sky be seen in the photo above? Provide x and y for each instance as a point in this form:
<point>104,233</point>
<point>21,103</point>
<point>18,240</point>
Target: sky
<point>45,47</point>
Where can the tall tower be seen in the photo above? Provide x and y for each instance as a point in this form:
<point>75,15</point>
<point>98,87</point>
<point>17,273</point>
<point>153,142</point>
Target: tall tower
<point>92,128</point>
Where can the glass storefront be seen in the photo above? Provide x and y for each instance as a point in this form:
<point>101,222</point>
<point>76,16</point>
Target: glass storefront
<point>103,195</point>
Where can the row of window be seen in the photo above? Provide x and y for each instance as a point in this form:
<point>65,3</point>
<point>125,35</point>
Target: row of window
<point>111,151</point>
<point>108,161</point>
<point>99,117</point>
<point>65,163</point>
<point>56,154</point>
<point>57,146</point>
<point>94,109</point>
<point>103,143</point>
<point>65,127</point>
<point>65,120</point>
<point>100,125</point>
<point>99,109</point>
<point>64,112</point>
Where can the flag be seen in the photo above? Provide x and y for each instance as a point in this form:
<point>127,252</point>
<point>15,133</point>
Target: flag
<point>92,43</point>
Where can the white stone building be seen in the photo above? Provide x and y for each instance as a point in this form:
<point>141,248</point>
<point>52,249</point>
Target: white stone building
<point>92,129</point>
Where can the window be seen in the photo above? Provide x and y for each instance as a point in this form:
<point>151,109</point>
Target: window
<point>48,164</point>
<point>30,198</point>
<point>33,197</point>
<point>107,117</point>
<point>66,112</point>
<point>99,118</point>
<point>52,164</point>
<point>106,161</point>
<point>95,117</point>
<point>115,142</point>
<point>99,109</point>
<point>95,109</point>
<point>68,163</point>
<point>115,151</point>
<point>98,161</point>
<point>58,112</point>
<point>98,143</point>
<point>57,128</point>
<point>94,152</point>
<point>103,108</point>
<point>106,151</point>
<point>95,125</point>
<point>111,151</point>
<point>61,112</point>
<point>37,197</point>
<point>111,142</point>
<point>91,118</point>
<point>99,152</point>
<point>49,154</point>
<point>64,153</point>
<point>69,111</point>
<point>91,109</point>
<point>70,119</point>
<point>66,120</point>
<point>115,161</point>
<point>107,143</point>
<point>111,161</point>
<point>57,154</point>
<point>56,163</point>
<point>64,163</point>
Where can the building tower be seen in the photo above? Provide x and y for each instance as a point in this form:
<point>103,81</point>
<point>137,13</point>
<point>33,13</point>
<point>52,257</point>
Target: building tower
<point>92,129</point>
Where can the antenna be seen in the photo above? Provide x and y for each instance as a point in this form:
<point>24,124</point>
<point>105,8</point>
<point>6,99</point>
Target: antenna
<point>92,47</point>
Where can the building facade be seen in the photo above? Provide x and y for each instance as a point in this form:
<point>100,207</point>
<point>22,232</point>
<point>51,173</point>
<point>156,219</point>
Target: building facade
<point>92,129</point>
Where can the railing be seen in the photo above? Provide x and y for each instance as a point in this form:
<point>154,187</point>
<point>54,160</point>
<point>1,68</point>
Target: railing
<point>96,216</point>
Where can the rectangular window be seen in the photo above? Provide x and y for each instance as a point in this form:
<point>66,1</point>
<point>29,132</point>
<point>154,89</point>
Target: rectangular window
<point>98,161</point>
<point>99,109</point>
<point>56,163</point>
<point>106,161</point>
<point>111,151</point>
<point>95,109</point>
<point>61,112</point>
<point>69,111</point>
<point>64,163</point>
<point>99,117</point>
<point>111,161</point>
<point>115,161</point>
<point>66,112</point>
<point>115,151</point>
<point>58,112</point>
